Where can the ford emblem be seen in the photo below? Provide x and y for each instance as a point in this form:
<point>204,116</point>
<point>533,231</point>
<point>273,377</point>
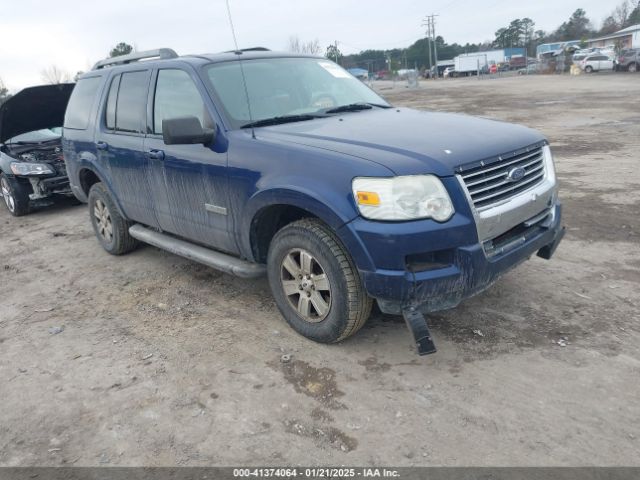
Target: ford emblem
<point>516,174</point>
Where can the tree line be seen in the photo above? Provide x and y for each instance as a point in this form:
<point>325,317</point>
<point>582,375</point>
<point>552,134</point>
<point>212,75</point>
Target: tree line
<point>520,32</point>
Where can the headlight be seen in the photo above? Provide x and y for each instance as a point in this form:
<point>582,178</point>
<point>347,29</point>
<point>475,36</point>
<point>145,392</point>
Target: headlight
<point>549,165</point>
<point>23,168</point>
<point>402,198</point>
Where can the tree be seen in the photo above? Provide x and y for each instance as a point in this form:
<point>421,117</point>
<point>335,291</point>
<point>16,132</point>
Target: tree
<point>528,26</point>
<point>518,34</point>
<point>312,47</point>
<point>121,49</point>
<point>55,75</point>
<point>621,13</point>
<point>577,27</point>
<point>4,93</point>
<point>333,53</point>
<point>609,25</point>
<point>634,16</point>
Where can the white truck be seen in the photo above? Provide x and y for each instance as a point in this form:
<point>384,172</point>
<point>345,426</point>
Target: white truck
<point>471,63</point>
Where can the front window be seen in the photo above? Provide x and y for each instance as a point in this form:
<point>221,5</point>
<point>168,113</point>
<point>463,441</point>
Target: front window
<point>285,86</point>
<point>176,96</point>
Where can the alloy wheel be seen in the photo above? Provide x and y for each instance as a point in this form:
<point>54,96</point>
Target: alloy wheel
<point>306,285</point>
<point>7,195</point>
<point>103,220</point>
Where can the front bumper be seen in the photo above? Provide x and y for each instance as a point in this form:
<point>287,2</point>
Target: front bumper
<point>455,274</point>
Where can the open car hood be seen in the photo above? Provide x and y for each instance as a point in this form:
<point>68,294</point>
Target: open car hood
<point>34,108</point>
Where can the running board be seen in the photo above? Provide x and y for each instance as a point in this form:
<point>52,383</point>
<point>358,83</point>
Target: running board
<point>211,258</point>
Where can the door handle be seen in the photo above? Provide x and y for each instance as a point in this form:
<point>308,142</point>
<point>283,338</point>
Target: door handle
<point>102,145</point>
<point>156,154</point>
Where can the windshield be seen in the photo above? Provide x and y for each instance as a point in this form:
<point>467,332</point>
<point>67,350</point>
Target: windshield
<point>285,86</point>
<point>37,136</point>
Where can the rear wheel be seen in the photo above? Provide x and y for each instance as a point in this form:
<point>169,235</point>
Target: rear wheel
<point>111,228</point>
<point>632,67</point>
<point>315,284</point>
<point>15,195</point>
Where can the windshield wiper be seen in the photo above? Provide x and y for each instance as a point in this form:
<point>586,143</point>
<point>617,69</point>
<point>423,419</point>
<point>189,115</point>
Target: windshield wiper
<point>354,107</point>
<point>280,120</point>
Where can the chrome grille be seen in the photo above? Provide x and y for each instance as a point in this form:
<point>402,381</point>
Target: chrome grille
<point>488,182</point>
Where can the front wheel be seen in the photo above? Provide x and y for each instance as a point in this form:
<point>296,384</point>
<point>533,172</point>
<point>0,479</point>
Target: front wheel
<point>15,195</point>
<point>111,228</point>
<point>588,69</point>
<point>632,68</point>
<point>315,284</point>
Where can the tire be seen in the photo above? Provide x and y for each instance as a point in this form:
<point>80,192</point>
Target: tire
<point>345,306</point>
<point>632,68</point>
<point>111,228</point>
<point>588,69</point>
<point>15,195</point>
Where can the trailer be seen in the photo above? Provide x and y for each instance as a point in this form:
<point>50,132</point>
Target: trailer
<point>470,64</point>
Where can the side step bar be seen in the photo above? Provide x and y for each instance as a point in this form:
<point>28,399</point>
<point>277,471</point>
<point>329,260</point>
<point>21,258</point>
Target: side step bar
<point>211,258</point>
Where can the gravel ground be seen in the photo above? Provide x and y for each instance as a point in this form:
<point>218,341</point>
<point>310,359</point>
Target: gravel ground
<point>149,359</point>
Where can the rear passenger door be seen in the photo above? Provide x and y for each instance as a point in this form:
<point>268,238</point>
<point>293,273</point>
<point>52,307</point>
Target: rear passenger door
<point>120,144</point>
<point>606,63</point>
<point>195,176</point>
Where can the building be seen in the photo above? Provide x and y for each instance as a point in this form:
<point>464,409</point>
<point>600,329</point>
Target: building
<point>626,38</point>
<point>514,52</point>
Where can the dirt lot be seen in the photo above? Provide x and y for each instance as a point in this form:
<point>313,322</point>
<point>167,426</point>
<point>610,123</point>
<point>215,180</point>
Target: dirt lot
<point>165,362</point>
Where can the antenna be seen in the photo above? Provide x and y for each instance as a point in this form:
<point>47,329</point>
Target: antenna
<point>244,79</point>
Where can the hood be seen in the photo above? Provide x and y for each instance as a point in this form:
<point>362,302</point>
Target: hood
<point>34,108</point>
<point>407,141</point>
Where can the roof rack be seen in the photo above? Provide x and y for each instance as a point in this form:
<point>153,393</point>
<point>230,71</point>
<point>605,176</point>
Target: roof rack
<point>160,53</point>
<point>252,49</point>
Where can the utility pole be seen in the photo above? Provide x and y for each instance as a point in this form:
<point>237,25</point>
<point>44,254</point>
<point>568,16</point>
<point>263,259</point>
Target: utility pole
<point>428,25</point>
<point>431,39</point>
<point>435,46</point>
<point>336,51</point>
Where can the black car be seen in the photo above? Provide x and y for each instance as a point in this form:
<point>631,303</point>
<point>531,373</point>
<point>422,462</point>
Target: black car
<point>32,168</point>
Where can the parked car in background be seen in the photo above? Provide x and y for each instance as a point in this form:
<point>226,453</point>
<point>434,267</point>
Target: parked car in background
<point>310,177</point>
<point>32,168</point>
<point>596,63</point>
<point>628,60</point>
<point>578,57</point>
<point>448,72</point>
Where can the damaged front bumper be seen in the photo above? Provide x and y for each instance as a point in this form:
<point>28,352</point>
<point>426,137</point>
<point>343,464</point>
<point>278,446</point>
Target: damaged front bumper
<point>455,274</point>
<point>45,188</point>
<point>473,268</point>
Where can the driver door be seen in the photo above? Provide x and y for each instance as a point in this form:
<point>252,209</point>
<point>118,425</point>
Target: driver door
<point>194,177</point>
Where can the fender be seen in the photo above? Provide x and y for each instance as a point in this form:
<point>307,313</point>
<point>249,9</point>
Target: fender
<point>305,200</point>
<point>5,163</point>
<point>85,163</point>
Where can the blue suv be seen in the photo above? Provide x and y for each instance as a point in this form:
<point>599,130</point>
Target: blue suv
<point>255,162</point>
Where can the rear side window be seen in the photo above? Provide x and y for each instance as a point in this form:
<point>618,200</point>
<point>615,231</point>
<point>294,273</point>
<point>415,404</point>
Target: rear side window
<point>127,101</point>
<point>80,103</point>
<point>176,96</point>
<point>111,103</point>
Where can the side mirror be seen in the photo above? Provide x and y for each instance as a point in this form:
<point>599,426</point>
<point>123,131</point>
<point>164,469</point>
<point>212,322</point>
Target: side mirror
<point>186,131</point>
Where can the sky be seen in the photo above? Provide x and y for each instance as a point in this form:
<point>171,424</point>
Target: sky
<point>74,34</point>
